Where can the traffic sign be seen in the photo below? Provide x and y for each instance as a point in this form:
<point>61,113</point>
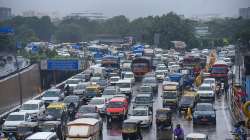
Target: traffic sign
<point>71,64</point>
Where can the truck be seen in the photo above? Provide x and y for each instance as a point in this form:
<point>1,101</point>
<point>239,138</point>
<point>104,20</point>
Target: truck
<point>170,94</point>
<point>111,64</point>
<point>219,71</point>
<point>149,52</point>
<point>140,66</point>
<point>179,78</point>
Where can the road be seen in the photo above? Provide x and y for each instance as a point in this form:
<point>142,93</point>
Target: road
<point>219,132</point>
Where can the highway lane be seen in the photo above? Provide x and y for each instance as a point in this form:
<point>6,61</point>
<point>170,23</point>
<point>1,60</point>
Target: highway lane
<point>220,132</point>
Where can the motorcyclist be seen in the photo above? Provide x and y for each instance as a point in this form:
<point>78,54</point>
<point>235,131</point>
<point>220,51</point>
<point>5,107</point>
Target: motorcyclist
<point>178,132</point>
<point>67,89</point>
<point>239,131</point>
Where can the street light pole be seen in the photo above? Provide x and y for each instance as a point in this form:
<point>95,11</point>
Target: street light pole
<point>19,78</point>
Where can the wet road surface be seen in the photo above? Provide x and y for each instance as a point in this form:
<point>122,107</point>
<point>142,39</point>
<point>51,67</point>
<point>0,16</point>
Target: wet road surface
<point>220,131</point>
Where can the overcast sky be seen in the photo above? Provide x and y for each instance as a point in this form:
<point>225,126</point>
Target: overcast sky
<point>130,8</point>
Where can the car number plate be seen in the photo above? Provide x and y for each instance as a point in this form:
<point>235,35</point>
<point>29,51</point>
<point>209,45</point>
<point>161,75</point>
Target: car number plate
<point>204,120</point>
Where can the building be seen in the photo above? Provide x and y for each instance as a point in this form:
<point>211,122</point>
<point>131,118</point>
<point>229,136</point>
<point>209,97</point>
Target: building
<point>244,13</point>
<point>5,13</point>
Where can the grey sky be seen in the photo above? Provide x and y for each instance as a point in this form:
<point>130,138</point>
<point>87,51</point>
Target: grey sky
<point>130,8</point>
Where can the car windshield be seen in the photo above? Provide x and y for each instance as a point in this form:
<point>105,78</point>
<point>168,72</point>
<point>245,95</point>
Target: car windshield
<point>146,89</point>
<point>30,107</point>
<point>205,88</point>
<point>75,81</point>
<point>95,79</point>
<point>128,76</point>
<point>187,100</point>
<point>15,118</point>
<point>123,85</point>
<point>169,95</point>
<point>71,99</point>
<point>159,73</point>
<point>54,112</point>
<point>149,80</point>
<point>142,99</point>
<point>87,109</point>
<point>108,92</point>
<point>208,81</point>
<point>140,113</point>
<point>97,101</point>
<point>115,104</point>
<point>161,68</point>
<point>51,94</point>
<point>81,86</point>
<point>204,107</point>
<point>114,79</point>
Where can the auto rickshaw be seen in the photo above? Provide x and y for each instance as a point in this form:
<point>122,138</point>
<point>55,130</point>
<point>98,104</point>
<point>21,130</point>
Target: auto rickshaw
<point>52,126</point>
<point>56,112</point>
<point>93,90</point>
<point>163,118</point>
<point>26,129</point>
<point>131,129</point>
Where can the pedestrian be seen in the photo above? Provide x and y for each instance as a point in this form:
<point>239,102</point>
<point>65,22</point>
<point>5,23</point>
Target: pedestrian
<point>178,132</point>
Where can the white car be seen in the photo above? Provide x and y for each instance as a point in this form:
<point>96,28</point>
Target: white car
<point>100,103</point>
<point>206,92</point>
<point>143,114</point>
<point>125,87</point>
<point>113,80</point>
<point>35,108</point>
<point>210,81</point>
<point>160,75</point>
<point>72,83</point>
<point>43,136</point>
<point>129,76</point>
<point>13,120</point>
<point>196,136</point>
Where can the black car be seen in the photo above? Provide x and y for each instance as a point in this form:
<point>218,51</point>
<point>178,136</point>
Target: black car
<point>204,113</point>
<point>86,109</point>
<point>73,100</point>
<point>186,102</point>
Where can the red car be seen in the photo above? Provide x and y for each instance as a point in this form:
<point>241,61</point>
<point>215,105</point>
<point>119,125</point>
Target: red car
<point>117,108</point>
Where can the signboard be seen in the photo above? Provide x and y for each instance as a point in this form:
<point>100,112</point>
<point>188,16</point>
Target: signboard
<point>71,64</point>
<point>6,30</point>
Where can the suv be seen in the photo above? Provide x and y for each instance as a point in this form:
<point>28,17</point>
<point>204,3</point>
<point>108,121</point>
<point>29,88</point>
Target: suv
<point>143,114</point>
<point>117,108</point>
<point>125,86</point>
<point>13,120</point>
<point>43,136</point>
<point>204,113</point>
<point>143,100</point>
<point>206,92</point>
<point>35,108</point>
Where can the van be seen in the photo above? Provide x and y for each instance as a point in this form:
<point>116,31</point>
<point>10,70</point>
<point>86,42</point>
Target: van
<point>43,136</point>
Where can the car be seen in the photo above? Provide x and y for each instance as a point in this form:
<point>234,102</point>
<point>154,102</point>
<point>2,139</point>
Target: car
<point>80,88</point>
<point>100,103</point>
<point>187,101</point>
<point>110,91</point>
<point>143,100</point>
<point>85,109</point>
<point>151,82</point>
<point>117,108</point>
<point>35,108</point>
<point>162,68</point>
<point>146,89</point>
<point>88,74</point>
<point>160,75</point>
<point>56,111</point>
<point>80,76</point>
<point>114,79</point>
<point>43,136</point>
<point>72,100</point>
<point>72,83</point>
<point>210,81</point>
<point>52,95</point>
<point>206,92</point>
<point>204,113</point>
<point>13,120</point>
<point>130,76</point>
<point>144,114</point>
<point>125,87</point>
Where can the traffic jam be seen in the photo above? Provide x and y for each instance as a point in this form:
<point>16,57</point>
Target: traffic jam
<point>137,93</point>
